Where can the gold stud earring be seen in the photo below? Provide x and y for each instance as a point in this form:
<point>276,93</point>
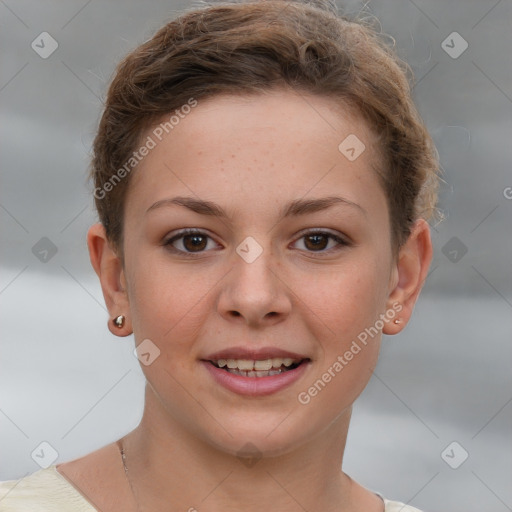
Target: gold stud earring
<point>119,321</point>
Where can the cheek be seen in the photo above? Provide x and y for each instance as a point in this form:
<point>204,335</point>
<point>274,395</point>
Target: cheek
<point>352,303</point>
<point>348,303</point>
<point>167,304</point>
<point>346,299</point>
<point>349,345</point>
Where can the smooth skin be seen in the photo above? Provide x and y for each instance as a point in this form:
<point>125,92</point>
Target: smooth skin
<point>251,156</point>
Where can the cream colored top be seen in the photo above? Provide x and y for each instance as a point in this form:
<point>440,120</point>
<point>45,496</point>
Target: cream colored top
<point>47,490</point>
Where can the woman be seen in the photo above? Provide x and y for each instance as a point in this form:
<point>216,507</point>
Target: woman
<point>263,182</point>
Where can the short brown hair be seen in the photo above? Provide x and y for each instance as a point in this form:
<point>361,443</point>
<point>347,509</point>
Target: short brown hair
<point>250,47</point>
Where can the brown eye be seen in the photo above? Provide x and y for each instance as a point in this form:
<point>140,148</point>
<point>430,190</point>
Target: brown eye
<point>316,242</point>
<point>189,242</point>
<point>321,242</point>
<point>194,242</point>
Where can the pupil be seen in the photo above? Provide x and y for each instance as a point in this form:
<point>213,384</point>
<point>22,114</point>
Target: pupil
<point>318,241</point>
<point>194,242</point>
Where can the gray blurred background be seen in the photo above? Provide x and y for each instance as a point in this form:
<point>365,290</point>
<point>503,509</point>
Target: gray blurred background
<point>442,390</point>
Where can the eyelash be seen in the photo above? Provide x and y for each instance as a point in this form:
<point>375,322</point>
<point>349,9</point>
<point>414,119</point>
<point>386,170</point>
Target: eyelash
<point>341,242</point>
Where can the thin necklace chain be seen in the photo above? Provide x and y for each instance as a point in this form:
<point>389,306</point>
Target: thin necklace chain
<point>123,458</point>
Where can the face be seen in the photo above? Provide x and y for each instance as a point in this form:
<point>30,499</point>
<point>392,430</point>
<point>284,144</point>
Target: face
<point>249,236</point>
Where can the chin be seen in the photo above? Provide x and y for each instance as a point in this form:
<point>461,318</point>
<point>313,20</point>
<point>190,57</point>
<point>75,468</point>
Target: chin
<point>261,435</point>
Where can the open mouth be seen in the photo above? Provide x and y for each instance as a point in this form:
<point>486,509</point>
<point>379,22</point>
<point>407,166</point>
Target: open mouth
<point>258,368</point>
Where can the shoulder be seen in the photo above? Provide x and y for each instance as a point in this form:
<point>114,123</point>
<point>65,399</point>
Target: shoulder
<point>45,490</point>
<point>396,506</point>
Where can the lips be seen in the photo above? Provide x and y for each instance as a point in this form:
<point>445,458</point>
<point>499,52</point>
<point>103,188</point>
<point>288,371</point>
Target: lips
<point>257,367</point>
<point>254,354</point>
<point>255,371</point>
<point>256,363</point>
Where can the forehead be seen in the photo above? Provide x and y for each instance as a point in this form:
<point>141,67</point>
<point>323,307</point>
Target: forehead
<point>265,143</point>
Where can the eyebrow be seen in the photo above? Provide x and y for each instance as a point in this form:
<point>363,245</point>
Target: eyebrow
<point>294,208</point>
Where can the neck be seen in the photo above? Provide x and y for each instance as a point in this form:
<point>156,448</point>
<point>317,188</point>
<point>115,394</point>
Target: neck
<point>168,464</point>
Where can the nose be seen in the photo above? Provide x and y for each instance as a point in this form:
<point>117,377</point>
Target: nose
<point>255,293</point>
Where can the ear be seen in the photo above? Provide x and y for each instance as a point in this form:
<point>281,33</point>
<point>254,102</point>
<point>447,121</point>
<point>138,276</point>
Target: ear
<point>109,268</point>
<point>409,275</point>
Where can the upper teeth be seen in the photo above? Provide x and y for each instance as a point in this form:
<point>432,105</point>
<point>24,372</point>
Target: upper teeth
<point>248,364</point>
